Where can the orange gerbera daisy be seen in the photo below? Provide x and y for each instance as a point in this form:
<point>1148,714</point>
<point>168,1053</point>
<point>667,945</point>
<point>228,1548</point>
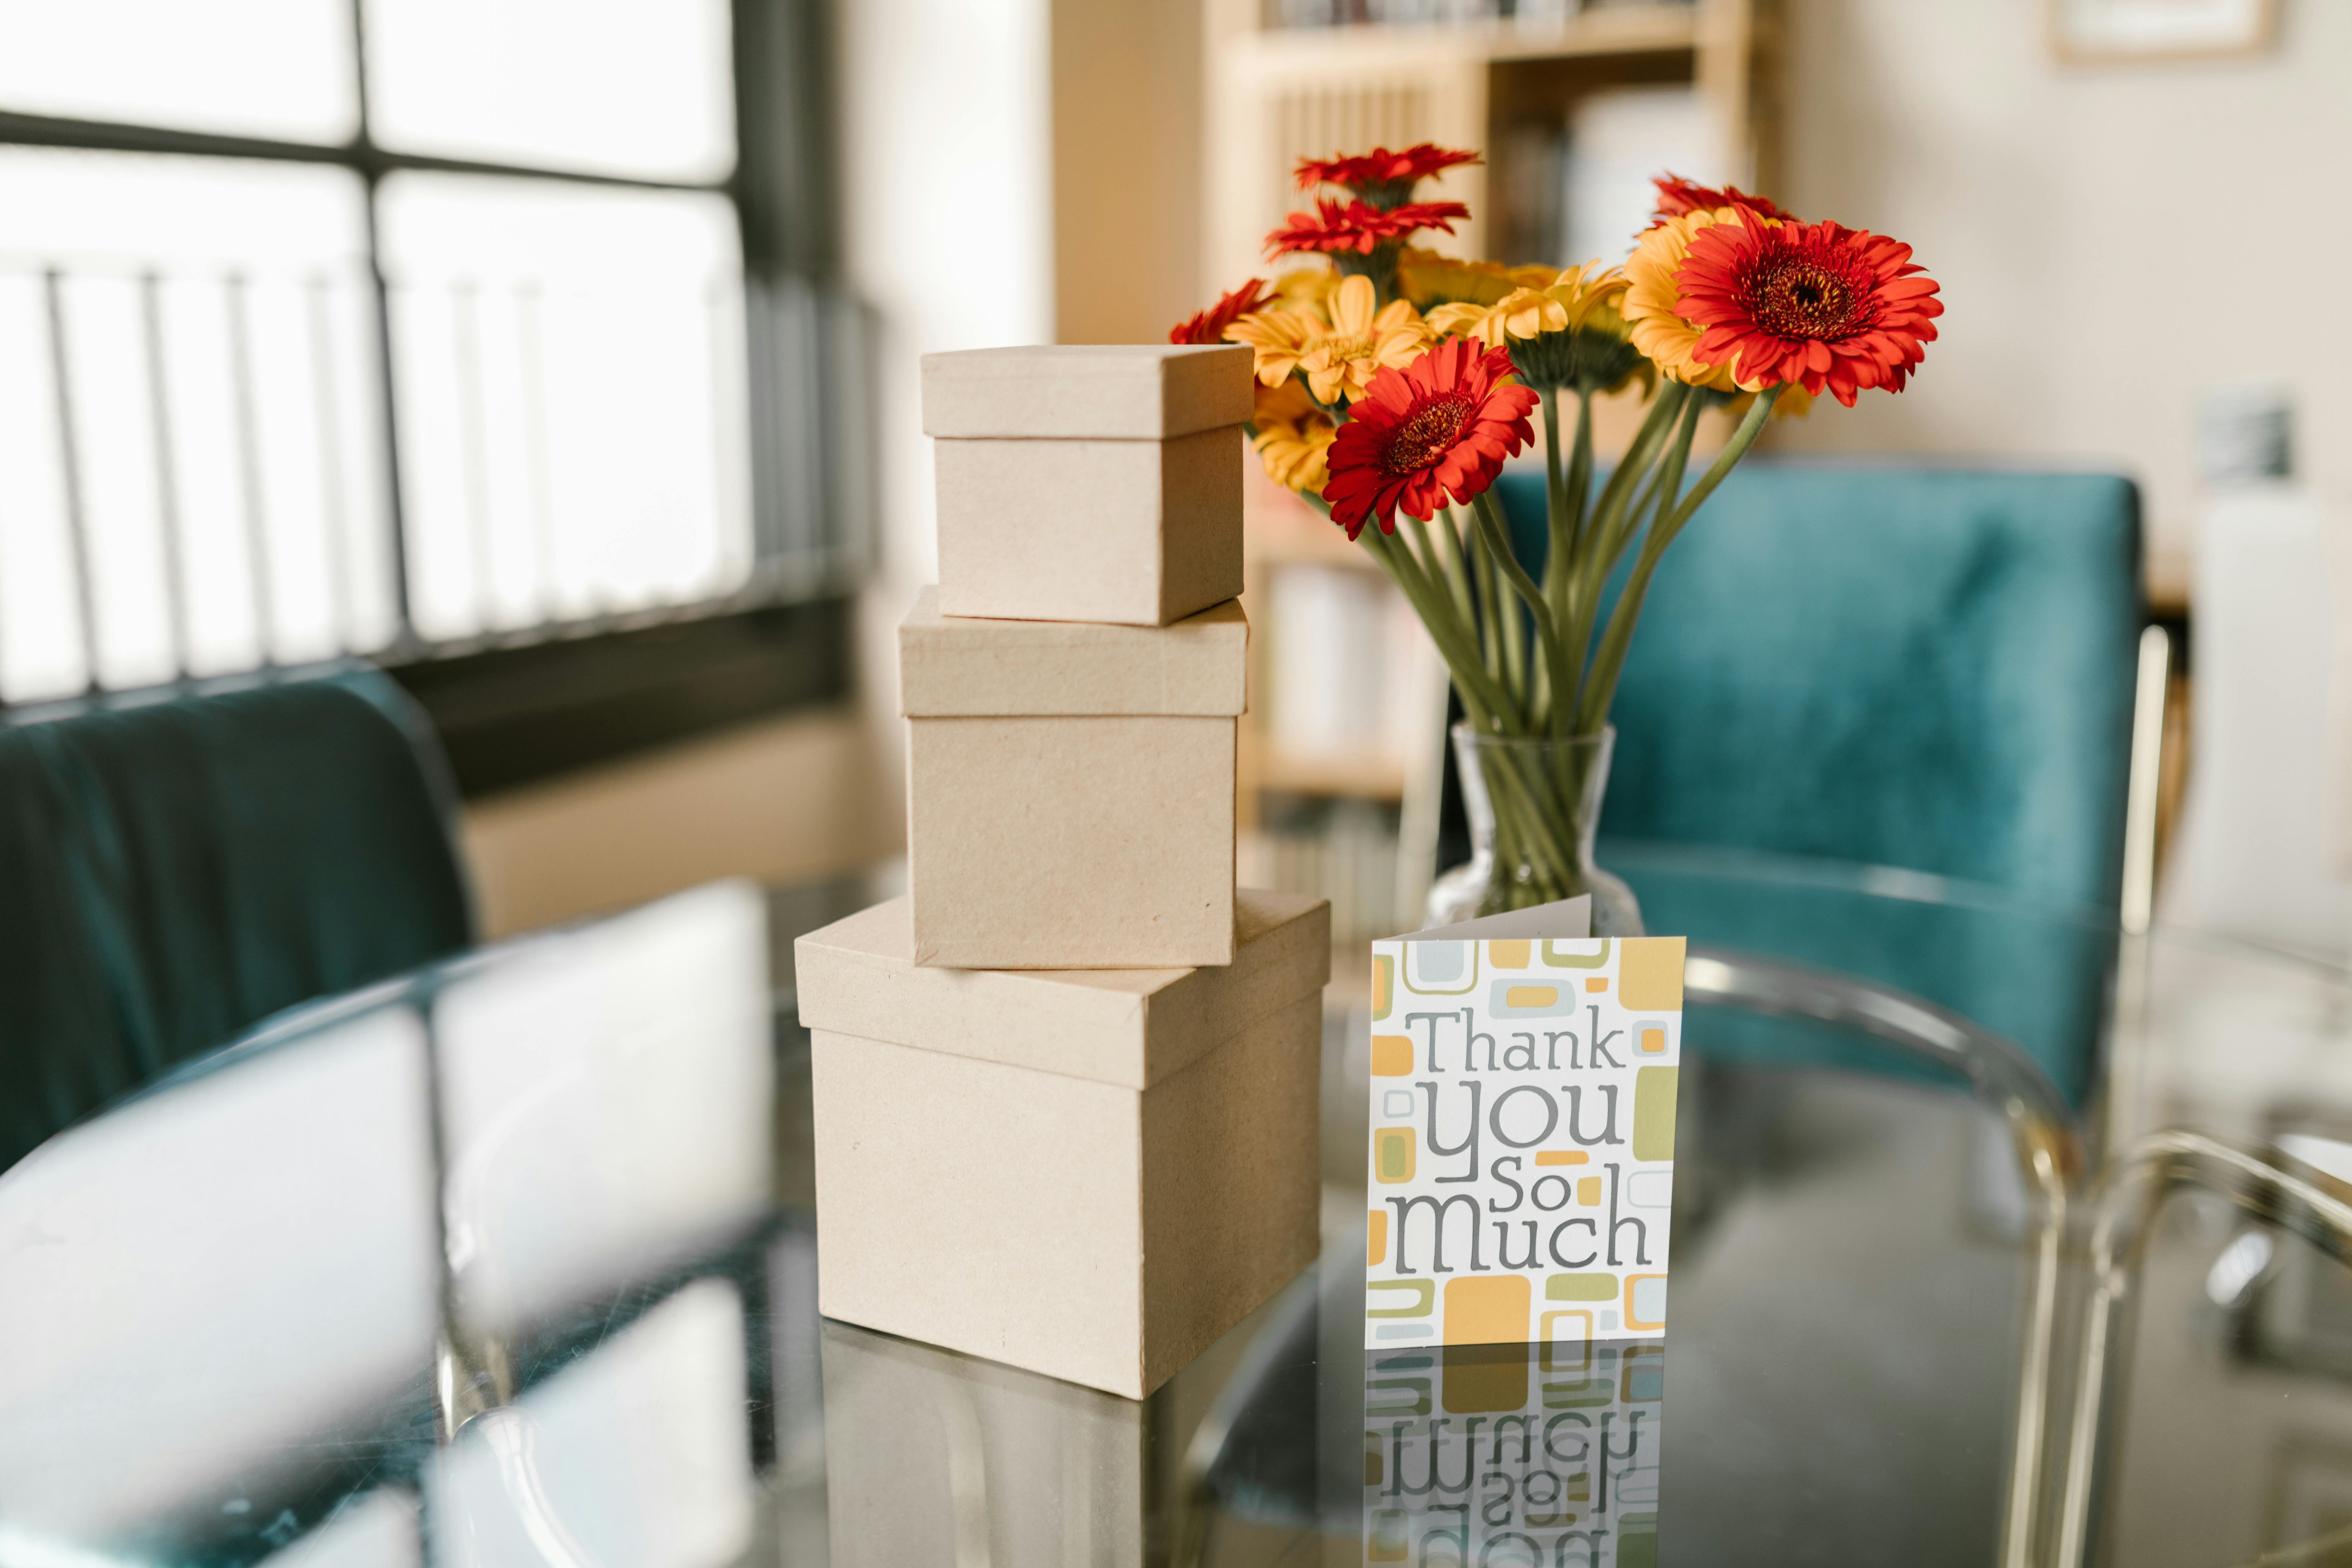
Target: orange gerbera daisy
<point>1819,305</point>
<point>1653,300</point>
<point>1677,196</point>
<point>1358,226</point>
<point>1209,326</point>
<point>1436,430</point>
<point>1380,173</point>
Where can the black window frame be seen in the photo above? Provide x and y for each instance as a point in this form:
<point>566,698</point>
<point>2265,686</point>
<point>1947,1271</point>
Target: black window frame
<point>513,707</point>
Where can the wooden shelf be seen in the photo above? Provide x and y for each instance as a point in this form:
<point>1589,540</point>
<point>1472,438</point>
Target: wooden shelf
<point>1368,777</point>
<point>1622,29</point>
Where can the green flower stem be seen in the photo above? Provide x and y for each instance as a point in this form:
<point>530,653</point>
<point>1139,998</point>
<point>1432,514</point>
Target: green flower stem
<point>1457,569</point>
<point>1606,521</point>
<point>1490,616</point>
<point>1579,490</point>
<point>1424,552</point>
<point>1498,543</point>
<point>1665,409</point>
<point>1556,513</point>
<point>1664,485</point>
<point>1485,703</point>
<point>1608,661</point>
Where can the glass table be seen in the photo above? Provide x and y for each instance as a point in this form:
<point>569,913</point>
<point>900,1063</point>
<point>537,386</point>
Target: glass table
<point>514,1262</point>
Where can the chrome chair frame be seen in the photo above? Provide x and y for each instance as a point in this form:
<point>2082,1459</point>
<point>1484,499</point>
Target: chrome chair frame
<point>2049,1155</point>
<point>2265,1185</point>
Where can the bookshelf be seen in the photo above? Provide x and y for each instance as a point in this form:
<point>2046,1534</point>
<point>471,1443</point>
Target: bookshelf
<point>1513,87</point>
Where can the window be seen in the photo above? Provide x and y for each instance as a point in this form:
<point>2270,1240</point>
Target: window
<point>410,329</point>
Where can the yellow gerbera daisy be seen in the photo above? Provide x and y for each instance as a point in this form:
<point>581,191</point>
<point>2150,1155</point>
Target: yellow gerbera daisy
<point>1277,337</point>
<point>1561,303</point>
<point>1361,341</point>
<point>1294,437</point>
<point>1429,280</point>
<point>1659,331</point>
<point>1303,290</point>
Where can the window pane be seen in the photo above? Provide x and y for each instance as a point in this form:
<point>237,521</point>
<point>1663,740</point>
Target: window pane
<point>190,473</point>
<point>571,399</point>
<point>256,68</point>
<point>631,87</point>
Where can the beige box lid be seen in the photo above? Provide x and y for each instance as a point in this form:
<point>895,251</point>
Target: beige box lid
<point>962,666</point>
<point>1096,392</point>
<point>1127,1026</point>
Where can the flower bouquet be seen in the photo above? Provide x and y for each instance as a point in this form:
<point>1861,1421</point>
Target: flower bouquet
<point>1394,380</point>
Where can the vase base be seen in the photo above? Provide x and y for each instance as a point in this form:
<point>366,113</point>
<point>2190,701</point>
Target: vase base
<point>1467,891</point>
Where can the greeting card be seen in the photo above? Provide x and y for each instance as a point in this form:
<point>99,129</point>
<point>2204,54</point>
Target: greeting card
<point>1521,1159</point>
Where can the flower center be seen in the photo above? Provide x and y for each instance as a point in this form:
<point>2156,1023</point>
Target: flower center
<point>1426,437</point>
<point>1801,298</point>
<point>1343,348</point>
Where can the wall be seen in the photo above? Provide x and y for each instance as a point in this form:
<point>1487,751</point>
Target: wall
<point>2109,238</point>
<point>1127,83</point>
<point>944,129</point>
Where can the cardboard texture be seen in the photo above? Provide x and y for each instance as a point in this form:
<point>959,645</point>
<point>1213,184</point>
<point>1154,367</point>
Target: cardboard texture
<point>1100,1224</point>
<point>1071,842</point>
<point>1117,392</point>
<point>1125,1026</point>
<point>1141,533</point>
<point>952,667</point>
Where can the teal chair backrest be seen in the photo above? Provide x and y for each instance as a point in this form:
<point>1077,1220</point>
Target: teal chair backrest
<point>174,867</point>
<point>1931,669</point>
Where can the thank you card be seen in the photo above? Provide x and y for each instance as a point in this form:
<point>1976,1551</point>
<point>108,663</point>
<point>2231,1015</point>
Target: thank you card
<point>1523,1081</point>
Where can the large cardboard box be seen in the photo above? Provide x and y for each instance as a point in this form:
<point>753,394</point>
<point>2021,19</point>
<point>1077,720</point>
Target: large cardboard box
<point>1090,1174</point>
<point>1088,483</point>
<point>1070,789</point>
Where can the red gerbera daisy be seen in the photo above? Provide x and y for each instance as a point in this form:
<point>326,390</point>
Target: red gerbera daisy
<point>1360,226</point>
<point>1209,326</point>
<point>1380,167</point>
<point>1677,195</point>
<point>1440,428</point>
<point>1816,304</point>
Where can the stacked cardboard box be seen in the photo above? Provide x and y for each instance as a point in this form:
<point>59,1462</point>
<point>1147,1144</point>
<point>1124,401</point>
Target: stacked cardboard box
<point>1064,1090</point>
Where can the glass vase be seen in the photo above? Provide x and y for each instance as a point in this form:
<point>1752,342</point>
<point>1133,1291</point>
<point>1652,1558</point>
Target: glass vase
<point>1534,806</point>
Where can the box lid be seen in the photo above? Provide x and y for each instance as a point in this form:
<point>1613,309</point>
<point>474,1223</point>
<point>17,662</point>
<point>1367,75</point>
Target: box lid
<point>962,666</point>
<point>1128,1026</point>
<point>1096,391</point>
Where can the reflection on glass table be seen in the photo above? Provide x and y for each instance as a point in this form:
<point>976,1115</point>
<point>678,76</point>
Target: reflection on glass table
<point>513,1262</point>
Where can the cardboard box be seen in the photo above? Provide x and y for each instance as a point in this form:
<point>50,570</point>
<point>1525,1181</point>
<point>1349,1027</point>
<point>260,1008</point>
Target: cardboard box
<point>1143,532</point>
<point>1089,1175</point>
<point>1070,790</point>
<point>1106,392</point>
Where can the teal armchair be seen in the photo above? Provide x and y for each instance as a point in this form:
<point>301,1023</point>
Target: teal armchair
<point>176,866</point>
<point>1916,669</point>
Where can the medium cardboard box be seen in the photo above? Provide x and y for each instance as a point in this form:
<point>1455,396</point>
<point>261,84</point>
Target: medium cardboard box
<point>1090,1174</point>
<point>1070,789</point>
<point>1088,483</point>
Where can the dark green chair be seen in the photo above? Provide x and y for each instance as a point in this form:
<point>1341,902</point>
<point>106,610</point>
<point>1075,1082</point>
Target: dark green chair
<point>176,866</point>
<point>1916,669</point>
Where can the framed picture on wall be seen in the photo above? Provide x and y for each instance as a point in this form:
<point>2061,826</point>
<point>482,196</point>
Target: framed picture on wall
<point>2104,30</point>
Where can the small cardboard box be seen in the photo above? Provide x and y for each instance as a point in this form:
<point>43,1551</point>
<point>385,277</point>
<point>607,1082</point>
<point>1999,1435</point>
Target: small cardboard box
<point>1070,789</point>
<point>1101,392</point>
<point>1090,1174</point>
<point>1088,483</point>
